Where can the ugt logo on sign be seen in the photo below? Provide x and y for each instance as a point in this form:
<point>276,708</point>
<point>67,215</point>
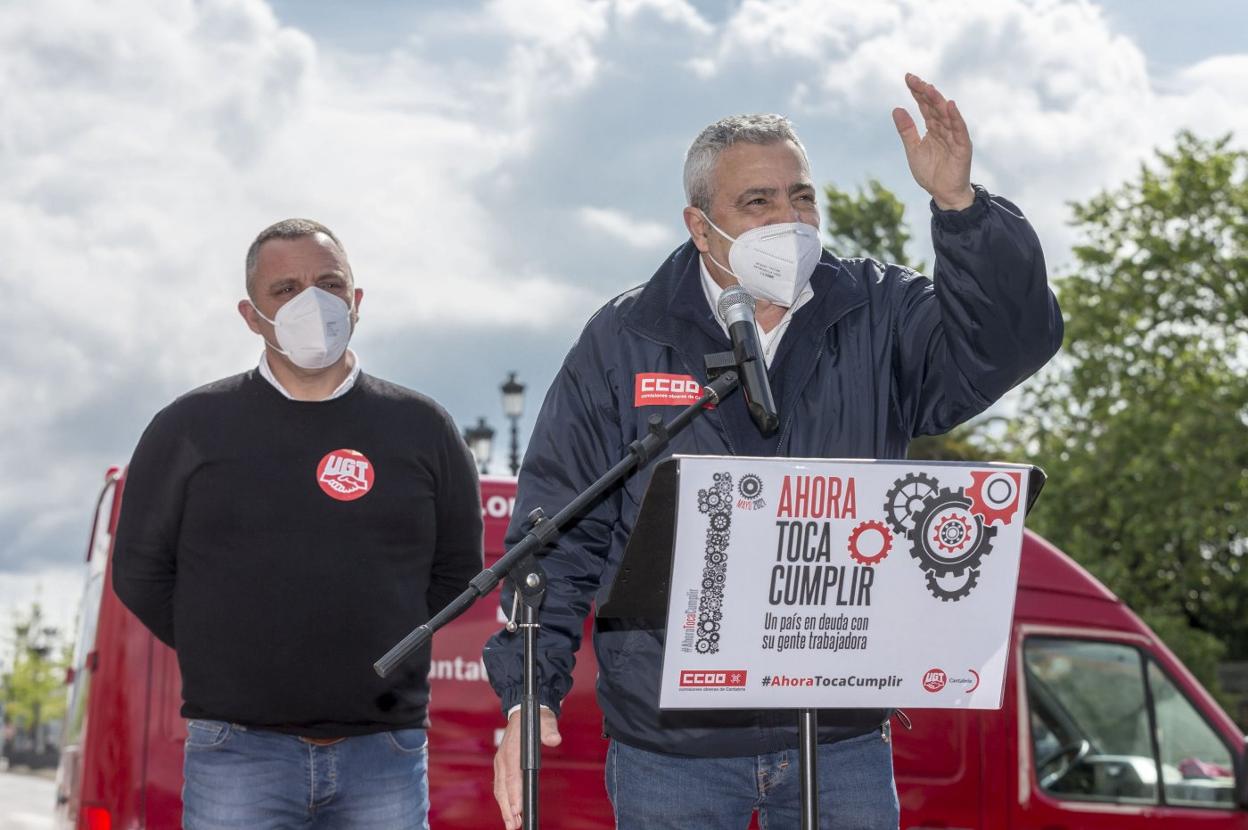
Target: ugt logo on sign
<point>935,680</point>
<point>700,679</point>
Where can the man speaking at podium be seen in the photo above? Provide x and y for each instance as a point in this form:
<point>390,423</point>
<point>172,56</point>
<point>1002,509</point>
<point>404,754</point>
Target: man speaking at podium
<point>861,357</point>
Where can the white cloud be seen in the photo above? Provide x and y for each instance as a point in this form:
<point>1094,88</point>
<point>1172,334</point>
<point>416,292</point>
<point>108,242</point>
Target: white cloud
<point>670,11</point>
<point>631,230</point>
<point>1059,104</point>
<point>143,145</point>
<point>142,148</point>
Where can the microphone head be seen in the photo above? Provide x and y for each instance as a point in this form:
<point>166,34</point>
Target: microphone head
<point>735,304</point>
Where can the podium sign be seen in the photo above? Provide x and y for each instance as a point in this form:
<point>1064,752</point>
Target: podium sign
<point>842,584</point>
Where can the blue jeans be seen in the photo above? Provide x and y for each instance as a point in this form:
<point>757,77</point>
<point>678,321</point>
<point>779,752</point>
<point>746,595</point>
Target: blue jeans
<point>237,777</point>
<point>652,791</point>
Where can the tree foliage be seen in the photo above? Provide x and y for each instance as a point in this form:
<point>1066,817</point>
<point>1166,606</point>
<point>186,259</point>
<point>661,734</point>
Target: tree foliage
<point>870,223</point>
<point>33,691</point>
<point>1142,423</point>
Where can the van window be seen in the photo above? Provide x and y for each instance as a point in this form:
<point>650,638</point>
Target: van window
<point>1091,735</point>
<point>1196,766</point>
<point>89,613</point>
<point>1095,736</point>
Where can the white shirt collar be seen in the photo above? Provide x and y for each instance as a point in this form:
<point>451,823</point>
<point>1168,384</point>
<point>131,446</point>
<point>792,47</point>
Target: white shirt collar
<point>769,341</point>
<point>266,372</point>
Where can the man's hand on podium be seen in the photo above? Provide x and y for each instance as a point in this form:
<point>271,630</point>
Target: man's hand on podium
<point>508,781</point>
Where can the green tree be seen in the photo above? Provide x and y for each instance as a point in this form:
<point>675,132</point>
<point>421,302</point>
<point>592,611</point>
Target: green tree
<point>1142,423</point>
<point>33,692</point>
<point>871,223</point>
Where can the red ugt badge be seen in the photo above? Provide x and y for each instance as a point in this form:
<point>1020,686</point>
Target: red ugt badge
<point>345,475</point>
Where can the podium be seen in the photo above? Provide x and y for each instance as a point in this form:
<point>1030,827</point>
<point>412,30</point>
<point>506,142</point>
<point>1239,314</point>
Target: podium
<point>810,584</point>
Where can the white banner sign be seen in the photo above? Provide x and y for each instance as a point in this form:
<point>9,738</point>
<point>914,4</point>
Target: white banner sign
<point>827,584</point>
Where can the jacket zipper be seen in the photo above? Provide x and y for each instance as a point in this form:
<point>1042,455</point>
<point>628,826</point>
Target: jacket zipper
<point>788,421</point>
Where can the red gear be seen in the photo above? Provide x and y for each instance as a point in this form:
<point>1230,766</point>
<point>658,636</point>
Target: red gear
<point>862,528</point>
<point>982,506</point>
<point>953,546</point>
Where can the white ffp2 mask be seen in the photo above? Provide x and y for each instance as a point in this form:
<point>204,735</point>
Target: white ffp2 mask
<point>773,262</point>
<point>312,329</point>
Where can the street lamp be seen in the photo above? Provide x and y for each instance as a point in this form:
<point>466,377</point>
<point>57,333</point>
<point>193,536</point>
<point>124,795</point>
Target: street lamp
<point>480,438</point>
<point>513,408</point>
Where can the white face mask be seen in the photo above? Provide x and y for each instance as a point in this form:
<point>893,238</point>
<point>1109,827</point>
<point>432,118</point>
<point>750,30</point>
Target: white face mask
<point>773,262</point>
<point>312,329</point>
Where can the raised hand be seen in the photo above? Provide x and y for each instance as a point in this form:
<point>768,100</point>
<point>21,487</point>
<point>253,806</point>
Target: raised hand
<point>940,161</point>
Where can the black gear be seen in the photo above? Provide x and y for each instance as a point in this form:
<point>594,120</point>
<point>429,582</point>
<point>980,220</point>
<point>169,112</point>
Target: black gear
<point>750,486</point>
<point>906,498</point>
<point>981,544</point>
<point>955,594</point>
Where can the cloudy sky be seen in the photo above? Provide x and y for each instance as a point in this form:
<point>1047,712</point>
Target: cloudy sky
<point>496,170</point>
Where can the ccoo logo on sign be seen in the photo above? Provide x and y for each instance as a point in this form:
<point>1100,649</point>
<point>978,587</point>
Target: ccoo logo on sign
<point>701,679</point>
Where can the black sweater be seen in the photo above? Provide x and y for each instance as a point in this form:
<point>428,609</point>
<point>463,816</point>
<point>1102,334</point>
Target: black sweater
<point>236,546</point>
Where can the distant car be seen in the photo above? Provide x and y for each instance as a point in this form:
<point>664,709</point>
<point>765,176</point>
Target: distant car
<point>1102,727</point>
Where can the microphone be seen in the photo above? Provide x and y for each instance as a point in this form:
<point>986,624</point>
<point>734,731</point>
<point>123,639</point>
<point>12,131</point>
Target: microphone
<point>736,310</point>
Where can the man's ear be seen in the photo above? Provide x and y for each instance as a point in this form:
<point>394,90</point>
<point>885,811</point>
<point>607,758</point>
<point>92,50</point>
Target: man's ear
<point>355,307</point>
<point>698,228</point>
<point>248,313</point>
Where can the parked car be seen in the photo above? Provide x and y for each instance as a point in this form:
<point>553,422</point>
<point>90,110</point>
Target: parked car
<point>1102,727</point>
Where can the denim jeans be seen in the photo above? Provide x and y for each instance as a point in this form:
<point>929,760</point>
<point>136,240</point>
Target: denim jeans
<point>652,791</point>
<point>237,777</point>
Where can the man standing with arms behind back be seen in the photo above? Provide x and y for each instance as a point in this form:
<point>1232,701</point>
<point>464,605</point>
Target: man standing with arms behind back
<point>861,358</point>
<point>279,530</point>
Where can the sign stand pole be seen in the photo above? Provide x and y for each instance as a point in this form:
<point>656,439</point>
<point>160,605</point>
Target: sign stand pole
<point>807,766</point>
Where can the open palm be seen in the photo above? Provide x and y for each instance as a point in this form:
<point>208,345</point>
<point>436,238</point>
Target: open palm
<point>940,160</point>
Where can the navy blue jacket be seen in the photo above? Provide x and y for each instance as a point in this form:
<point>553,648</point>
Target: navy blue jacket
<point>878,356</point>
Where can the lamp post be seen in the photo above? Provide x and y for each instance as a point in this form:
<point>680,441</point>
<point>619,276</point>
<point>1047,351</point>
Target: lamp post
<point>480,438</point>
<point>513,408</point>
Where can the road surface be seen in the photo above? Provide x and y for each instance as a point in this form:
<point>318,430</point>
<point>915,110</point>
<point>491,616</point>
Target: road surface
<point>26,801</point>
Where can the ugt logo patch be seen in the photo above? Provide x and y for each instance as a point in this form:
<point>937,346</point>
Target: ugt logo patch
<point>345,475</point>
<point>659,389</point>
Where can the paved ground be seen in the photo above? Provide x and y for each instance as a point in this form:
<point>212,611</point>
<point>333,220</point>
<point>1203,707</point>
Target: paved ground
<point>26,801</point>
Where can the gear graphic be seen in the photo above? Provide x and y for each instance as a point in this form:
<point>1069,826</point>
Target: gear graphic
<point>970,580</point>
<point>750,486</point>
<point>994,495</point>
<point>953,532</point>
<point>961,538</point>
<point>906,498</point>
<point>886,543</point>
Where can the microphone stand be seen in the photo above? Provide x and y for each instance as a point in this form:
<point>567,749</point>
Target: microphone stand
<point>520,566</point>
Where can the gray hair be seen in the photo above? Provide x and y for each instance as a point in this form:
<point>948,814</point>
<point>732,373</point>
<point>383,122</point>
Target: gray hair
<point>704,152</point>
<point>285,229</point>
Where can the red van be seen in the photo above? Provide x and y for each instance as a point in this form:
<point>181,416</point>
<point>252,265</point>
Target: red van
<point>1102,727</point>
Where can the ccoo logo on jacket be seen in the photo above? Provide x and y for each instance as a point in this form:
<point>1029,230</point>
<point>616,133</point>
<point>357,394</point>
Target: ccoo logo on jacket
<point>345,475</point>
<point>663,389</point>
